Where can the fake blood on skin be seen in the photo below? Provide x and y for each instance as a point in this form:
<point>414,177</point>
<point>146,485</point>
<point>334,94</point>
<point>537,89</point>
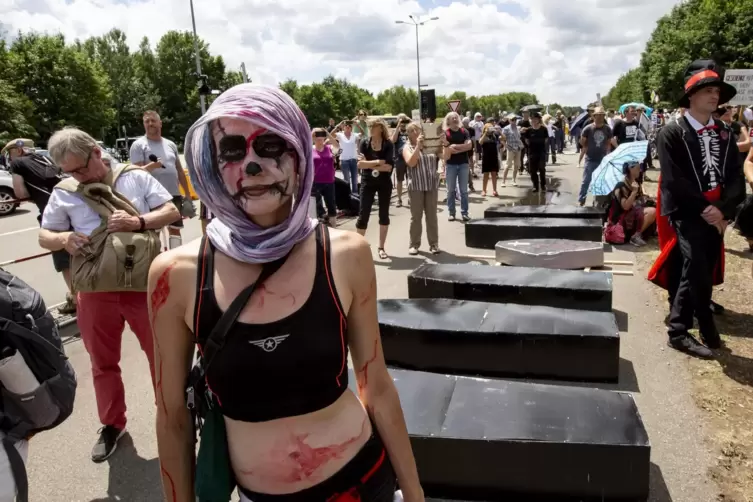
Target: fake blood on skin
<point>362,375</point>
<point>303,462</point>
<point>172,483</point>
<point>158,300</point>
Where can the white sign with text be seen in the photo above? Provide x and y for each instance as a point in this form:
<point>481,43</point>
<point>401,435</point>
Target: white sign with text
<point>742,80</point>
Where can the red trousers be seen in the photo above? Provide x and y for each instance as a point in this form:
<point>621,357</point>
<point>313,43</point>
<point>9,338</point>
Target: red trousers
<point>101,319</point>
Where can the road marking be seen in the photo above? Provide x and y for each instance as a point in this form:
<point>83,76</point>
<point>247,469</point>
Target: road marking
<point>19,231</point>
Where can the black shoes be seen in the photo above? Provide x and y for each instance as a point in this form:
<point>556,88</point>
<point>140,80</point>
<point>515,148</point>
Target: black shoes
<point>691,346</point>
<point>716,309</point>
<point>107,443</point>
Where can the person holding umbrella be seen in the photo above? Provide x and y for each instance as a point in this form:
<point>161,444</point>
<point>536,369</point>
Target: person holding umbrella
<point>627,219</point>
<point>700,189</point>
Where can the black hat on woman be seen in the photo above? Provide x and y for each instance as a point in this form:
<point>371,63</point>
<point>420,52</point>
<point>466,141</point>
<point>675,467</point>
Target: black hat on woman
<point>704,73</point>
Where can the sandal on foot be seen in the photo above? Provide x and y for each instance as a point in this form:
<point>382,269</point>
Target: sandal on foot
<point>382,254</point>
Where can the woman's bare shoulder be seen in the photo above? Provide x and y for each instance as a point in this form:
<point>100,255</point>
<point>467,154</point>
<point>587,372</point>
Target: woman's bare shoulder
<point>178,264</point>
<point>351,248</point>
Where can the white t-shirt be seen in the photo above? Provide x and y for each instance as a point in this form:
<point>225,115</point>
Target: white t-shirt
<point>66,210</point>
<point>349,147</point>
<point>478,127</point>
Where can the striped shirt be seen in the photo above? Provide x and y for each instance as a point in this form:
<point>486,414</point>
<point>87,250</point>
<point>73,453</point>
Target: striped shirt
<point>512,136</point>
<point>424,176</point>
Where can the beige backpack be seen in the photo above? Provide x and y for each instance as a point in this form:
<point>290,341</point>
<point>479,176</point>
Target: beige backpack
<point>113,261</point>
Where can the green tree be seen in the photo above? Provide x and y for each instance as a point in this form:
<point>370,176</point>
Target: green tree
<point>111,53</point>
<point>628,89</point>
<point>330,98</point>
<point>397,99</point>
<point>65,86</point>
<point>15,114</point>
<point>694,29</point>
<point>168,73</point>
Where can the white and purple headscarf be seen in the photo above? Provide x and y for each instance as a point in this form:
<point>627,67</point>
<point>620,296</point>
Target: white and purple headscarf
<point>231,231</point>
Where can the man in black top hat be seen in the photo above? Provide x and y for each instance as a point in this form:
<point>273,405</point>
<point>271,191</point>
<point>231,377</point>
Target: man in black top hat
<point>700,188</point>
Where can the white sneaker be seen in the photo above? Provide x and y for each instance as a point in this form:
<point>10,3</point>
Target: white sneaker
<point>412,251</point>
<point>637,241</point>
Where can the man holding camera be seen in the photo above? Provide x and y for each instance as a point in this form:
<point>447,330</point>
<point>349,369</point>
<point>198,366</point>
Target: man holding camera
<point>159,156</point>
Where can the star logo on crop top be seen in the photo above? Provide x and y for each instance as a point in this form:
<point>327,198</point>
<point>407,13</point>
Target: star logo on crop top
<point>269,344</point>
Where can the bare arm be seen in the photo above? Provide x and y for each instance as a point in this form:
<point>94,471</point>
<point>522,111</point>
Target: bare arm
<point>182,179</point>
<point>52,240</point>
<point>160,217</point>
<point>395,134</point>
<point>375,386</point>
<point>151,166</point>
<point>583,148</point>
<point>19,187</point>
<point>170,275</point>
<point>465,146</point>
<point>369,164</point>
<point>411,154</point>
<point>748,168</point>
<point>743,143</point>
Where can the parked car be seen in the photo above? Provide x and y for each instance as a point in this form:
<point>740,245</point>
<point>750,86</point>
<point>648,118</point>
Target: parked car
<point>6,193</point>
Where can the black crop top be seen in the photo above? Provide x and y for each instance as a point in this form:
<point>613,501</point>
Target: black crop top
<point>290,367</point>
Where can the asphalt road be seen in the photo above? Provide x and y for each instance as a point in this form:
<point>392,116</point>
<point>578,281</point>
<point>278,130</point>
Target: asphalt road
<point>60,468</point>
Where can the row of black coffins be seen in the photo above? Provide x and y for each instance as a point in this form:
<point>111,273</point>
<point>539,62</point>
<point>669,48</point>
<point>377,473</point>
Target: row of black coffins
<point>476,436</point>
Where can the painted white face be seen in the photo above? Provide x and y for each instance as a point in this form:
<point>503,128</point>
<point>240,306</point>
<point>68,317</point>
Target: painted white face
<point>258,167</point>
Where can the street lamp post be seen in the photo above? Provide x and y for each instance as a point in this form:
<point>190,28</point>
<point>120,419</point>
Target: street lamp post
<point>415,21</point>
<point>198,59</point>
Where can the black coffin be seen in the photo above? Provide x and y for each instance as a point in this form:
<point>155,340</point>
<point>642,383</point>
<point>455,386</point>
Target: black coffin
<point>487,232</point>
<point>572,289</point>
<point>479,439</point>
<point>548,211</point>
<point>491,339</point>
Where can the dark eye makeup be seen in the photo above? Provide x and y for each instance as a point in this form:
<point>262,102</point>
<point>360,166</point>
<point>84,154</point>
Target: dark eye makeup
<point>234,148</point>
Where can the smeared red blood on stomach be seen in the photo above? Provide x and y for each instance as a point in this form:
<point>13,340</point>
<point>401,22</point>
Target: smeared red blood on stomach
<point>299,462</point>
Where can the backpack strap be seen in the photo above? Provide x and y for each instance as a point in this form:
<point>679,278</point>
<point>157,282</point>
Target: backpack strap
<point>18,469</point>
<point>97,197</point>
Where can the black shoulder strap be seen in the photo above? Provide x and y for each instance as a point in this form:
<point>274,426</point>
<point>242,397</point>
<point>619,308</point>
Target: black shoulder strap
<point>216,339</point>
<point>18,470</point>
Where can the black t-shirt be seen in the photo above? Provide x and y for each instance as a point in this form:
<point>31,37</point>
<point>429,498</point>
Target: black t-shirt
<point>458,137</point>
<point>538,140</point>
<point>40,176</point>
<point>386,153</point>
<point>625,132</point>
<point>560,123</point>
<point>737,129</point>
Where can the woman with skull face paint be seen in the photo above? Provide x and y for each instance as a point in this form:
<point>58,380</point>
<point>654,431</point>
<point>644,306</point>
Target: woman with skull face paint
<point>295,432</point>
<point>376,161</point>
<point>325,147</point>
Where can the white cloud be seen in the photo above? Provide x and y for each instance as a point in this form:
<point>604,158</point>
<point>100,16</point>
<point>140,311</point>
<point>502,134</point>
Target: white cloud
<point>561,51</point>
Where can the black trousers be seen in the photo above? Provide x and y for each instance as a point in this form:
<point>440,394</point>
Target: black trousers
<point>538,172</point>
<point>382,188</point>
<point>324,193</point>
<point>691,276</point>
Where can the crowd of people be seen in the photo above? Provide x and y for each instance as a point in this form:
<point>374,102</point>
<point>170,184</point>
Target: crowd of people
<point>377,161</point>
<point>263,297</point>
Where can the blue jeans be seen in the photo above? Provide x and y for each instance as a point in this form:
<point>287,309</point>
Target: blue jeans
<point>457,177</point>
<point>350,173</point>
<point>589,167</point>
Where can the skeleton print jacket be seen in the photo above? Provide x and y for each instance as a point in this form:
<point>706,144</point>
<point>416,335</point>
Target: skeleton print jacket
<point>694,162</point>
